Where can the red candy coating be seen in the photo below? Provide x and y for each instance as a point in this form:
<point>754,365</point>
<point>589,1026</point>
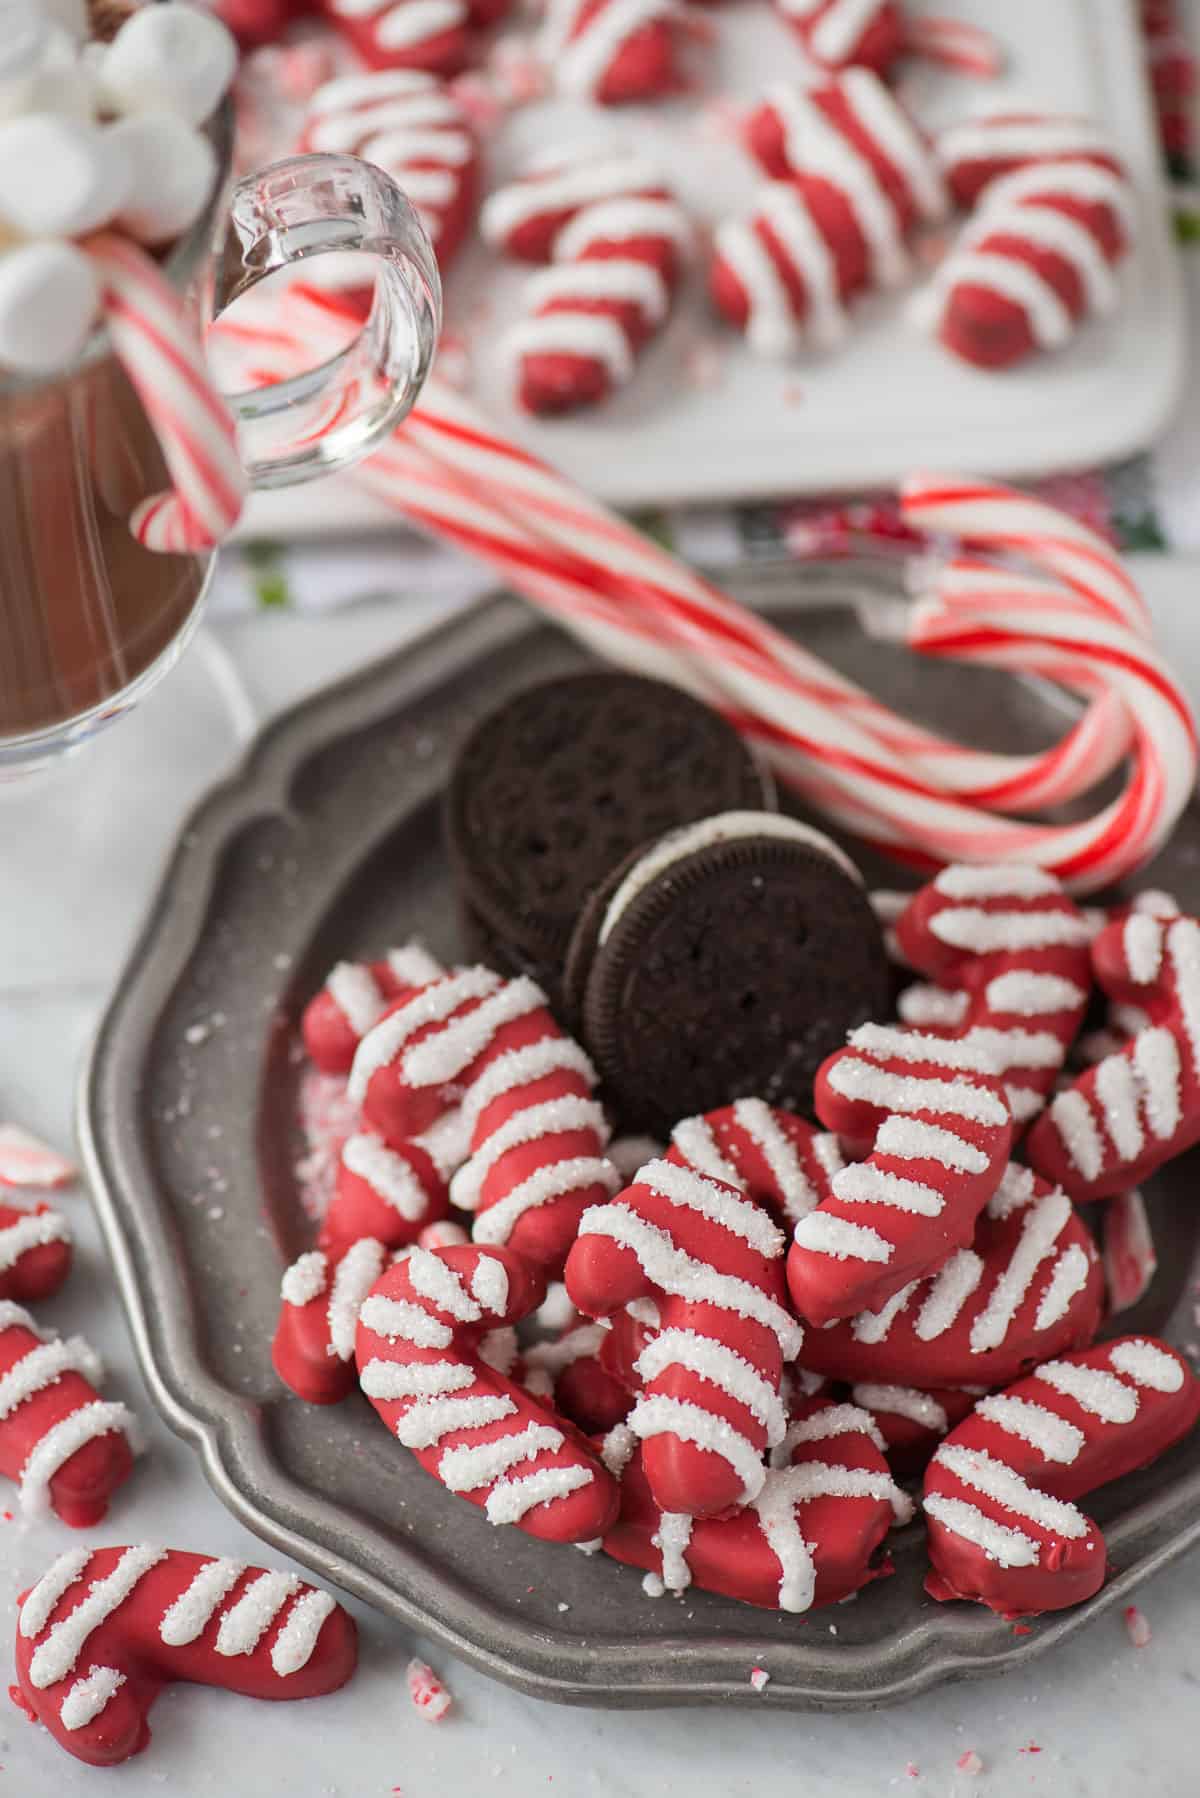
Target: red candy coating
<point>35,1252</point>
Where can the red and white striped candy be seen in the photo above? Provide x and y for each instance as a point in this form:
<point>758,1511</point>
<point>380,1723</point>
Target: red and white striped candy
<point>1139,1106</point>
<point>957,44</point>
<point>808,1538</point>
<point>26,1161</point>
<point>1009,953</point>
<point>429,1695</point>
<point>105,1629</point>
<point>613,51</point>
<point>839,34</point>
<point>975,152</point>
<point>433,36</point>
<point>934,1119</point>
<point>354,998</point>
<point>157,346</point>
<point>997,1499</point>
<point>470,1426</point>
<point>413,128</point>
<point>67,1449</point>
<point>1029,1286</point>
<point>35,1252</point>
<point>704,1266</point>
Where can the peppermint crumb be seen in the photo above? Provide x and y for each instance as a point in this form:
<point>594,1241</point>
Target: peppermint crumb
<point>833,1629</point>
<point>912,1770</point>
<point>759,1678</point>
<point>195,1034</point>
<point>563,1607</point>
<point>969,1762</point>
<point>1137,1626</point>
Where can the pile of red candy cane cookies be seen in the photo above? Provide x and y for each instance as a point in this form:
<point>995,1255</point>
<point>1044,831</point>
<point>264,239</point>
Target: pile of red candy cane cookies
<point>855,195</point>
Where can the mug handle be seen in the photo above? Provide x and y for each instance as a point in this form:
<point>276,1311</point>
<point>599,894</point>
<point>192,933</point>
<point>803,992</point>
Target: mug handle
<point>328,417</point>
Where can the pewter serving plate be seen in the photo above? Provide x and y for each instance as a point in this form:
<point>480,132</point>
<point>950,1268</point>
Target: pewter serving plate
<point>324,844</point>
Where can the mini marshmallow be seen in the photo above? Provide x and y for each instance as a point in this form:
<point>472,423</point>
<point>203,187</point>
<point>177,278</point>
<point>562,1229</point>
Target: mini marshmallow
<point>174,168</point>
<point>168,57</point>
<point>72,15</point>
<point>49,298</point>
<point>60,177</point>
<point>39,68</point>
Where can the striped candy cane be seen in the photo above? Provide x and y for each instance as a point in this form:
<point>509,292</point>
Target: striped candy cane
<point>164,360</point>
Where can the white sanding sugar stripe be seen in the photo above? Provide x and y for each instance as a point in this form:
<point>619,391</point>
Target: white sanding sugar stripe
<point>55,1658</point>
<point>470,1466</point>
<point>431,1419</point>
<point>864,1081</point>
<point>822,1233</point>
<point>797,1195</point>
<point>577,180</point>
<point>411,963</point>
<point>293,1646</point>
<point>521,1067</point>
<point>1119,1096</point>
<point>381,1045</point>
<point>1007,1547</point>
<point>903,1401</point>
<point>657,1415</point>
<point>621,218</point>
<point>672,1539</point>
<point>1077,1128</point>
<point>924,1004</point>
<point>616,278</point>
<point>826,1479</point>
<point>691,1191</point>
<point>1143,941</point>
<point>722,1367</point>
<point>597,336</point>
<point>397,1319</point>
<point>873,1326</point>
<point>552,1358</point>
<point>356,1273</point>
<point>697,1144</point>
<point>862,1183</point>
<point>948,1292</point>
<point>788,218</point>
<point>355,991</point>
<point>827,1149</point>
<point>1015,1049</point>
<point>1023,1101</point>
<point>1183,942</point>
<point>1012,882</point>
<point>550,1117</point>
<point>911,1139</point>
<point>1001,1483</point>
<point>890,1042</point>
<point>438,1282</point>
<point>192,1611</point>
<point>414,1379</point>
<point>444,1054</point>
<point>15,1317</point>
<point>1042,1227</point>
<point>771,327</point>
<point>675,1272</point>
<point>63,1440</point>
<point>489,1284</point>
<point>33,1232</point>
<point>1025,995</point>
<point>1053,1437</point>
<point>248,1619</point>
<point>509,1501</point>
<point>817,145</point>
<point>89,1696</point>
<point>305,1279</point>
<point>54,1584</point>
<point>554,1181</point>
<point>993,932</point>
<point>832,1421</point>
<point>1070,1275</point>
<point>1015,1191</point>
<point>1147,1365</point>
<point>1097,1392</point>
<point>776,1510</point>
<point>387,1173</point>
<point>1157,1065</point>
<point>43,1366</point>
<point>618,1448</point>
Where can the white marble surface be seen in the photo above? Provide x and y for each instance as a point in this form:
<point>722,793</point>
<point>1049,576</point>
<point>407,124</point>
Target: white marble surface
<point>77,865</point>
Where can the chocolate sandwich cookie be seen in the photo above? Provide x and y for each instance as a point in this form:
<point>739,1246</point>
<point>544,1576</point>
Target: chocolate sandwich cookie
<point>725,961</point>
<point>559,784</point>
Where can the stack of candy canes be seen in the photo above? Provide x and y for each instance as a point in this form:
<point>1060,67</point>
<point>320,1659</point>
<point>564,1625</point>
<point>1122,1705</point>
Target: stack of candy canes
<point>853,194</point>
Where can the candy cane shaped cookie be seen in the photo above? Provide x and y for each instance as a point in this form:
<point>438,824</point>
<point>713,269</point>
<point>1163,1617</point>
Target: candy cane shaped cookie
<point>476,1430</point>
<point>775,276</point>
<point>526,217</point>
<point>320,1298</point>
<point>67,1449</point>
<point>429,35</point>
<point>933,1116</point>
<point>1003,1529</point>
<point>1139,1106</point>
<point>613,51</point>
<point>35,1252</point>
<point>414,128</point>
<point>839,34</point>
<point>105,1629</point>
<point>974,153</point>
<point>710,1262</point>
<point>1015,948</point>
<point>810,1537</point>
<point>1030,1285</point>
<point>780,1160</point>
<point>354,998</point>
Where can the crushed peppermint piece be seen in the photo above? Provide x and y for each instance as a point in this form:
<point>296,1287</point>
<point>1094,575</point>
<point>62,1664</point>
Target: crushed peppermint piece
<point>759,1678</point>
<point>969,1762</point>
<point>27,1161</point>
<point>427,1692</point>
<point>1137,1626</point>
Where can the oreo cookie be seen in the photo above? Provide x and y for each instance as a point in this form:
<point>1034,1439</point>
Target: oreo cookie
<point>725,961</point>
<point>556,787</point>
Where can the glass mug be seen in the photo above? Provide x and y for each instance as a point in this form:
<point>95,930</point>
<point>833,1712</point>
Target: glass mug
<point>89,620</point>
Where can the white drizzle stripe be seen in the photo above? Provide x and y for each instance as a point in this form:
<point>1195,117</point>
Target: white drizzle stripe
<point>388,1174</point>
<point>356,1273</point>
<point>1007,932</point>
<point>1027,995</point>
<point>522,1067</point>
<point>722,1366</point>
<point>398,1319</point>
<point>924,1004</point>
<point>35,1231</point>
<point>675,1272</point>
<point>776,1510</point>
<point>791,223</point>
<point>553,1358</point>
<point>908,1402</point>
<point>89,1696</point>
<point>57,1580</point>
<point>305,1279</point>
<point>1007,1547</point>
<point>411,963</point>
<point>796,1194</point>
<point>832,1421</point>
<point>1014,881</point>
<point>1054,1438</point>
<point>620,219</point>
<point>911,1139</point>
<point>556,1180</point>
<point>65,1438</point>
<point>1147,1365</point>
<point>355,992</point>
<point>889,1043</point>
<point>55,1658</point>
<point>672,1538</point>
<point>43,1366</point>
<point>770,324</point>
<point>864,1082</point>
<point>948,1293</point>
<point>379,1048</point>
<point>692,1192</point>
<point>873,1326</point>
<point>825,1234</point>
<point>584,179</point>
<point>1159,1073</point>
<point>1099,1393</point>
<point>863,1183</point>
<point>1015,1191</point>
<point>658,1415</point>
<point>548,1118</point>
<point>191,1612</point>
<point>445,1054</point>
<point>818,146</point>
<point>247,1620</point>
<point>696,1143</point>
<point>293,1647</point>
<point>431,1419</point>
<point>15,1317</point>
<point>1001,1483</point>
<point>510,1500</point>
<point>468,1467</point>
<point>1077,1128</point>
<point>438,1282</point>
<point>1070,1276</point>
<point>414,1379</point>
<point>1042,1227</point>
<point>489,1284</point>
<point>591,336</point>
